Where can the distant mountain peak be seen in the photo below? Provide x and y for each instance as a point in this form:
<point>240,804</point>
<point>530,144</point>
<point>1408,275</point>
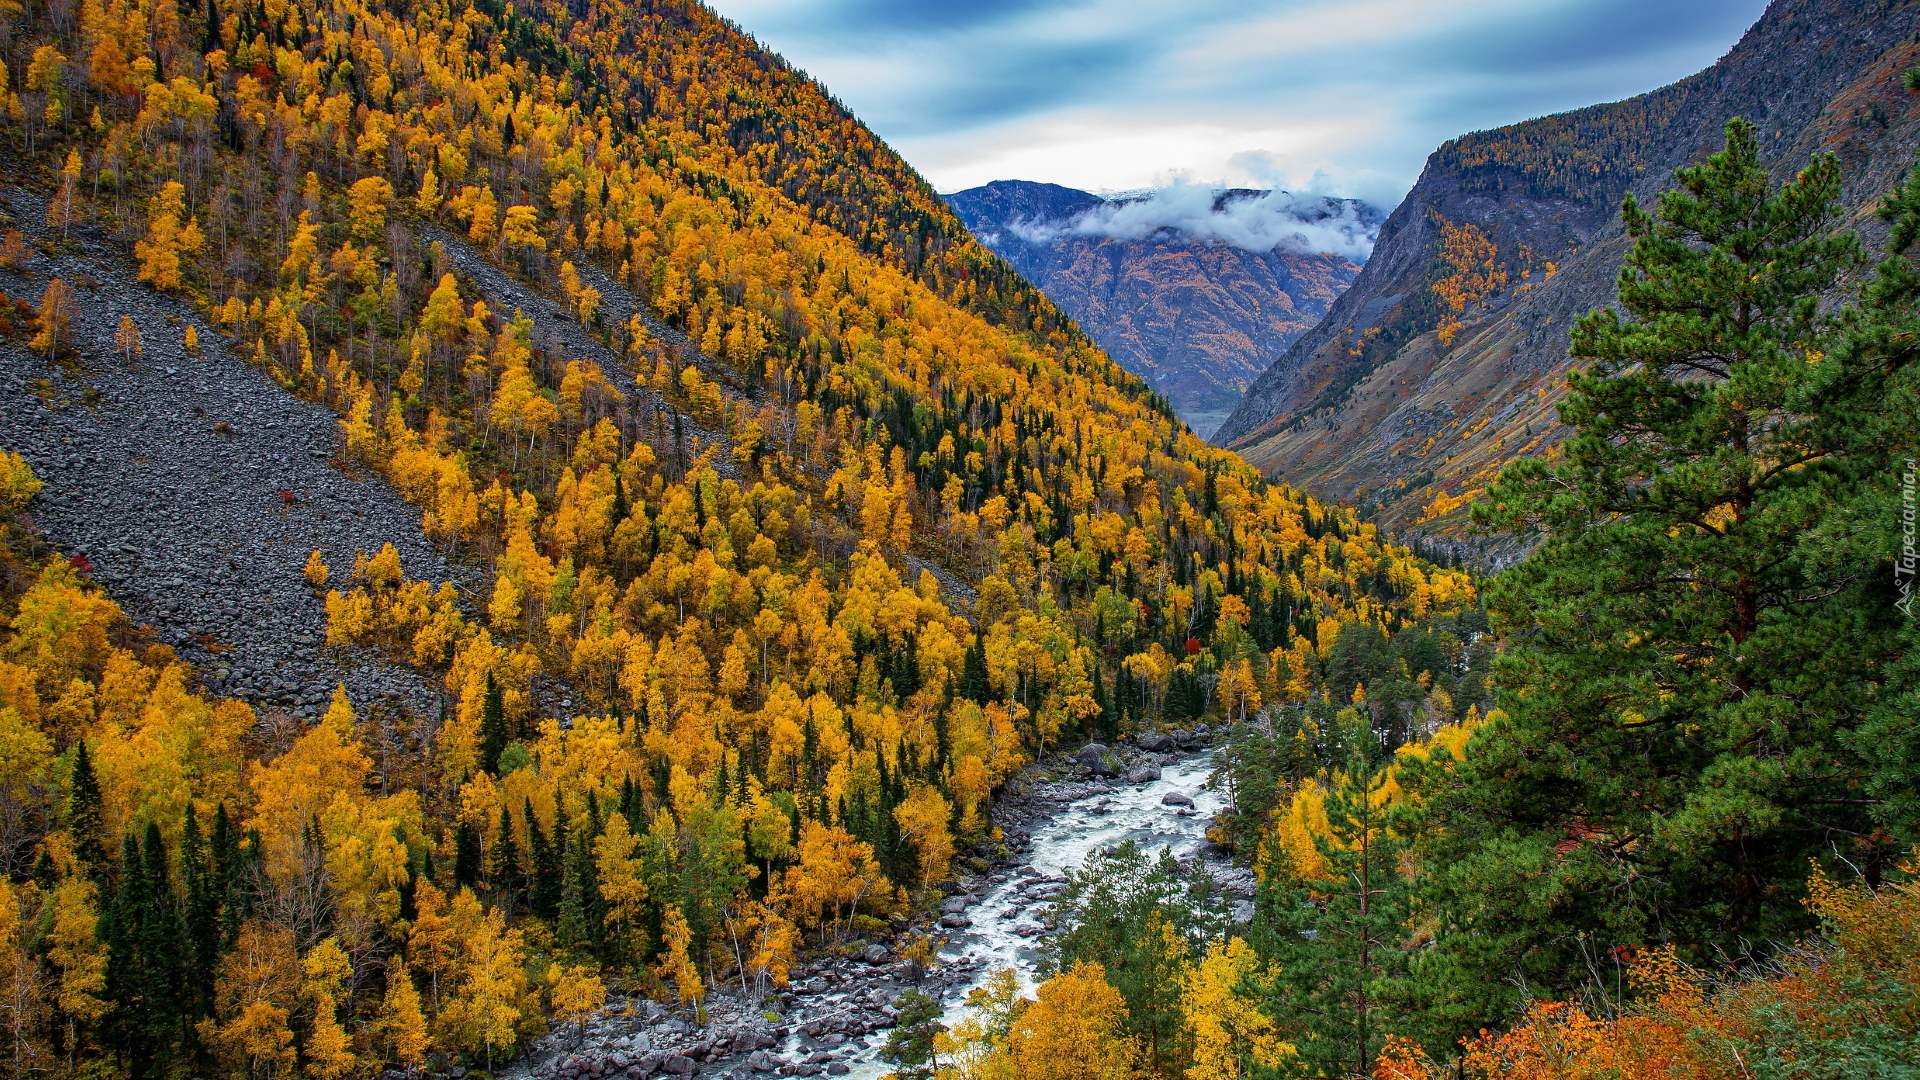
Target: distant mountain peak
<point>1194,288</point>
<point>1258,220</point>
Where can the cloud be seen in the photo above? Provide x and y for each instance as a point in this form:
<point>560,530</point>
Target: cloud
<point>1252,221</point>
<point>1134,93</point>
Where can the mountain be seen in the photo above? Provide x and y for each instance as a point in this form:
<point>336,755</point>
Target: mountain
<point>502,498</point>
<point>1169,289</point>
<point>1444,359</point>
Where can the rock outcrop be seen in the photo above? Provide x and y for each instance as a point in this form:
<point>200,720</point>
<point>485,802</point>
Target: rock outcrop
<point>1372,407</point>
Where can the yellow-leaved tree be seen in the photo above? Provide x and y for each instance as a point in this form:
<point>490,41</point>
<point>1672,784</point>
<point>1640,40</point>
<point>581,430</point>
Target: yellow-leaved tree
<point>324,972</point>
<point>80,956</point>
<point>257,991</point>
<point>923,818</point>
<point>1228,1030</point>
<point>167,239</point>
<point>59,307</point>
<point>573,993</point>
<point>18,485</point>
<point>1075,1029</point>
<point>403,1027</point>
<point>678,963</point>
<point>623,885</point>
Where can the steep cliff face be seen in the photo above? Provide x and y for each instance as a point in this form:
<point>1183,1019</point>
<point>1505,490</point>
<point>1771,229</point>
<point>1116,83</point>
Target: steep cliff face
<point>1198,318</point>
<point>1444,359</point>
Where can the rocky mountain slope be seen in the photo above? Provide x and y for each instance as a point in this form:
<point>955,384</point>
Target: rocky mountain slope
<point>1196,317</point>
<point>195,489</point>
<point>1446,356</point>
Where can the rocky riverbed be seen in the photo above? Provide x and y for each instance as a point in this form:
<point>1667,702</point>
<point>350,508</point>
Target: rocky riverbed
<point>834,1018</point>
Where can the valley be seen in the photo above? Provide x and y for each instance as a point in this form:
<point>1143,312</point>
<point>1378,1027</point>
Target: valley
<point>1197,317</point>
<point>534,544</point>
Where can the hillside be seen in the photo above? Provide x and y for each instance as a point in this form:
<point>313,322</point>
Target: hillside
<point>708,530</point>
<point>1197,318</point>
<point>1446,356</point>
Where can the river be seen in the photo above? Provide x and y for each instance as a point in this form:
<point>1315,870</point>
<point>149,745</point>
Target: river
<point>1109,813</point>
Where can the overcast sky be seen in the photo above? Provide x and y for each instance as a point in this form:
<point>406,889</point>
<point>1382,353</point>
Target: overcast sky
<point>1341,96</point>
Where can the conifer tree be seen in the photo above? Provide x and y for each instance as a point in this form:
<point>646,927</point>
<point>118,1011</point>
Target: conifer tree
<point>574,930</point>
<point>84,821</point>
<point>911,1043</point>
<point>1140,919</point>
<point>1878,354</point>
<point>144,957</point>
<point>494,734</point>
<point>230,858</point>
<point>503,872</point>
<point>466,856</point>
<point>204,881</point>
<point>973,674</point>
<point>543,858</point>
<point>1698,632</point>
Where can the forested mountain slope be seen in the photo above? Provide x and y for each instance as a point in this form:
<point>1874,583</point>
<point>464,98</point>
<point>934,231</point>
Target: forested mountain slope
<point>1446,357</point>
<point>1197,318</point>
<point>776,521</point>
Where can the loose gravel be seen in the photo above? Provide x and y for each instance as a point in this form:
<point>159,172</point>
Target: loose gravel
<point>197,488</point>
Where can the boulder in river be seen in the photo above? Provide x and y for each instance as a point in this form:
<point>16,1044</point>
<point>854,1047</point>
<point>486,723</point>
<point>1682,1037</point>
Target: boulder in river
<point>875,954</point>
<point>1143,774</point>
<point>753,1039</point>
<point>1176,798</point>
<point>955,922</point>
<point>1096,759</point>
<point>1153,742</point>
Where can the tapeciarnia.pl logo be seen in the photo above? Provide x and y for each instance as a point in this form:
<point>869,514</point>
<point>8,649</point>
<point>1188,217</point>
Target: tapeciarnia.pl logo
<point>1907,561</point>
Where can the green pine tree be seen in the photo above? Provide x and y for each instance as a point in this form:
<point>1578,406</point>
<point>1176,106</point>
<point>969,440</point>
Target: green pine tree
<point>974,684</point>
<point>910,1044</point>
<point>205,889</point>
<point>1699,631</point>
<point>145,959</point>
<point>84,820</point>
<point>503,871</point>
<point>494,733</point>
<point>577,931</point>
<point>1142,918</point>
<point>1878,350</point>
<point>543,891</point>
<point>467,856</point>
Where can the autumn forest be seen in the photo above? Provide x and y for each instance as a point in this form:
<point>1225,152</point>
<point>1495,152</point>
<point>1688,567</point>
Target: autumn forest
<point>832,529</point>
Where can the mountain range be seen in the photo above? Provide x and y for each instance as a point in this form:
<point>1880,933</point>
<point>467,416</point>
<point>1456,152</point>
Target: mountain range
<point>1197,291</point>
<point>532,543</point>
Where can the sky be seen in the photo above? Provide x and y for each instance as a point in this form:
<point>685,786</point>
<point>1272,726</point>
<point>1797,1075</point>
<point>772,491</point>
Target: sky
<point>1342,97</point>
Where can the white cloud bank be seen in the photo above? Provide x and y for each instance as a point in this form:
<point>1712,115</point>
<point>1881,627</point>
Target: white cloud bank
<point>1256,222</point>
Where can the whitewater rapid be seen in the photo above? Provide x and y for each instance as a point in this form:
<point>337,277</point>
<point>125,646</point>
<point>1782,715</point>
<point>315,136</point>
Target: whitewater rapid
<point>1108,814</point>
